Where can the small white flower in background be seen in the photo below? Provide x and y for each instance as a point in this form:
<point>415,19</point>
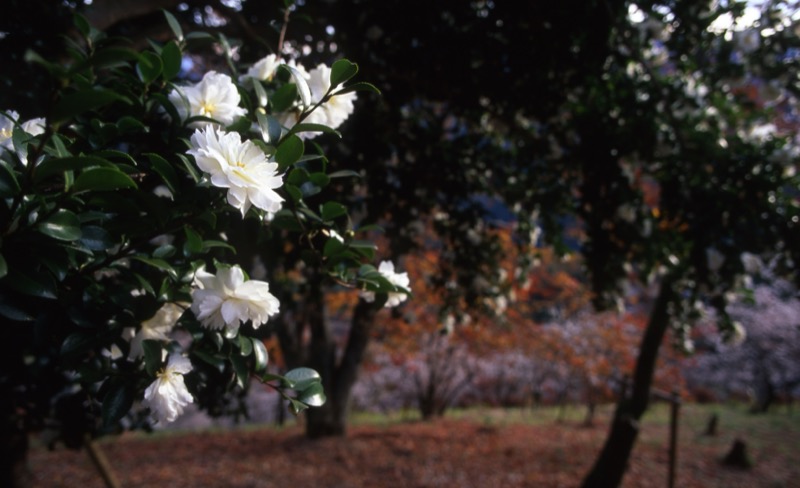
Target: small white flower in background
<point>227,300</point>
<point>752,263</point>
<point>7,129</point>
<point>32,127</point>
<point>337,108</point>
<point>241,167</point>
<point>386,268</point>
<point>156,328</point>
<point>263,69</point>
<point>738,335</point>
<point>748,41</point>
<point>331,113</point>
<point>714,259</point>
<point>167,395</point>
<point>215,96</point>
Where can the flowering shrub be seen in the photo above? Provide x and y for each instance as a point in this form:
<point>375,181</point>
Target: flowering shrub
<point>117,286</point>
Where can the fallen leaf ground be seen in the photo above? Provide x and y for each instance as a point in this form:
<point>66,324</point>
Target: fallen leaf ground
<point>489,449</point>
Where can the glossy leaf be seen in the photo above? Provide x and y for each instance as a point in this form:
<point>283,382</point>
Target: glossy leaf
<point>102,179</point>
<point>261,355</point>
<point>117,401</point>
<point>289,151</point>
<point>313,396</point>
<point>174,25</point>
<point>302,378</point>
<point>331,210</point>
<point>62,225</point>
<point>341,71</point>
<point>84,100</point>
<point>152,356</point>
<point>171,58</point>
<point>149,67</point>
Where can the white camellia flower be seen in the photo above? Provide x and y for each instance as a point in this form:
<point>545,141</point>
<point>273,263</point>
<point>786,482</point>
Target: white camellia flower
<point>386,268</point>
<point>215,96</point>
<point>167,395</point>
<point>336,109</point>
<point>156,328</point>
<point>227,300</point>
<point>263,69</point>
<point>241,167</point>
<point>331,113</point>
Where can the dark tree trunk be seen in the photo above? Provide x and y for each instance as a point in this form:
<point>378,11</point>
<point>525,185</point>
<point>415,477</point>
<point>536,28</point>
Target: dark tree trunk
<point>337,378</point>
<point>611,464</point>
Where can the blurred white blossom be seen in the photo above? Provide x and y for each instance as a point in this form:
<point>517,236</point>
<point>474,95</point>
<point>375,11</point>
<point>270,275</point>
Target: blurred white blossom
<point>386,268</point>
<point>215,96</point>
<point>167,395</point>
<point>227,300</point>
<point>155,328</point>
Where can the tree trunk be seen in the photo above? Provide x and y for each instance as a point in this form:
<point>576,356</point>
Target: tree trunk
<point>337,379</point>
<point>611,464</point>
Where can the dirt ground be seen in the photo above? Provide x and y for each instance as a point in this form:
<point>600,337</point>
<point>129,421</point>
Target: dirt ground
<point>442,453</point>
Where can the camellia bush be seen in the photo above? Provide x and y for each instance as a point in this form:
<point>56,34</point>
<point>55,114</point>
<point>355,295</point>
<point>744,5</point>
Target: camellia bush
<point>122,297</point>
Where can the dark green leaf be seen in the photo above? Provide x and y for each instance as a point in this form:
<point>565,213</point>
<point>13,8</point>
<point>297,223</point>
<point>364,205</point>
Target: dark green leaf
<point>194,243</point>
<point>58,166</point>
<point>159,264</point>
<point>341,71</point>
<point>9,186</point>
<point>12,311</point>
<point>174,25</point>
<point>76,344</point>
<point>240,368</point>
<point>152,356</point>
<point>313,396</point>
<point>117,402</point>
<point>3,266</point>
<point>360,86</point>
<point>245,345</point>
<point>344,173</point>
<point>81,24</point>
<point>320,179</point>
<point>165,170</point>
<point>289,151</point>
<point>62,225</point>
<point>96,238</point>
<point>34,283</point>
<point>84,100</point>
<point>149,66</point>
<point>102,179</point>
<point>331,210</point>
<point>296,406</point>
<point>171,58</point>
<point>283,98</point>
<point>212,359</point>
<point>301,378</point>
